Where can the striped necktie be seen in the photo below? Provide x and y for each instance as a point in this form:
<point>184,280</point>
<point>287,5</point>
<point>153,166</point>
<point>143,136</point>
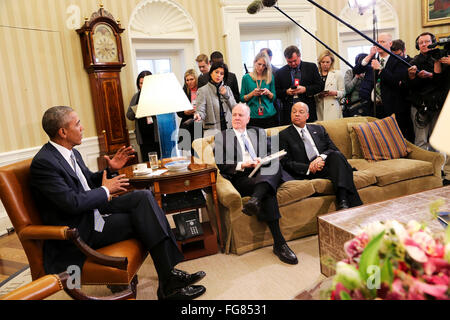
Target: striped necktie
<point>99,222</point>
<point>248,148</point>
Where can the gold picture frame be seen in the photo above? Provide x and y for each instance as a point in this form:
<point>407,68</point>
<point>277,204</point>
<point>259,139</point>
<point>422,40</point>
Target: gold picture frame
<point>432,16</point>
<point>442,36</point>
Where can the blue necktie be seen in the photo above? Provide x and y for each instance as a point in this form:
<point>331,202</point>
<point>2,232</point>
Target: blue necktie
<point>99,222</point>
<point>248,148</point>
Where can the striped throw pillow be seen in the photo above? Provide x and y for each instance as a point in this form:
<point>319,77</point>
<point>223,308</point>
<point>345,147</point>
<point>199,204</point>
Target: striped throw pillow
<point>381,139</point>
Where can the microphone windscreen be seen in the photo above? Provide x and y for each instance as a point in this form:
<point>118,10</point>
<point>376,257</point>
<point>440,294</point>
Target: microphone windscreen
<point>255,7</point>
<point>269,3</point>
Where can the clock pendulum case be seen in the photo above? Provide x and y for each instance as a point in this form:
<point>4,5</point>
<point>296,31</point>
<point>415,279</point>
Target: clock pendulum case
<point>103,59</point>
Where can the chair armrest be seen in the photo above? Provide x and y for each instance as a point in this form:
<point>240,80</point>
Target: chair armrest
<point>36,232</point>
<point>436,159</point>
<point>97,257</point>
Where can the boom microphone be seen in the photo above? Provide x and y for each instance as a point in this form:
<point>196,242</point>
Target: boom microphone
<point>255,7</point>
<point>269,3</point>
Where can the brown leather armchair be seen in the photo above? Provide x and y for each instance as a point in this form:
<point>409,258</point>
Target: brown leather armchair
<point>48,285</point>
<point>116,264</point>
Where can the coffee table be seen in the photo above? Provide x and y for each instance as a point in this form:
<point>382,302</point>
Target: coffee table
<point>338,227</point>
<point>195,177</point>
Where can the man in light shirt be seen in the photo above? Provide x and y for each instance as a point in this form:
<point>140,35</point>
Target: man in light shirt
<point>311,154</point>
<point>67,193</point>
<point>237,152</point>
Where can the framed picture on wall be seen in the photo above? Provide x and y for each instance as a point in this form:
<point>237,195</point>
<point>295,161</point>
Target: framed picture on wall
<point>435,12</point>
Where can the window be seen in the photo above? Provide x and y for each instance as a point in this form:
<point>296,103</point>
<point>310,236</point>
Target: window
<point>250,49</point>
<point>352,52</point>
<point>155,66</point>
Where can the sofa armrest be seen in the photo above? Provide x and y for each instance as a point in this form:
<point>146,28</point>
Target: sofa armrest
<point>227,194</point>
<point>435,158</point>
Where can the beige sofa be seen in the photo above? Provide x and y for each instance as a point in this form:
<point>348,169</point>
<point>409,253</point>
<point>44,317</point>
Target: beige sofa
<point>302,201</point>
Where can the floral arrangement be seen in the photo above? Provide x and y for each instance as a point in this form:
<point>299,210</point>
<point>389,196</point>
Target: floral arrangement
<point>393,261</point>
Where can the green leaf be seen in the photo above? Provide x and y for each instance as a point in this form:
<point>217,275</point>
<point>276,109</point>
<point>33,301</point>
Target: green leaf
<point>345,296</point>
<point>370,257</point>
<point>387,274</point>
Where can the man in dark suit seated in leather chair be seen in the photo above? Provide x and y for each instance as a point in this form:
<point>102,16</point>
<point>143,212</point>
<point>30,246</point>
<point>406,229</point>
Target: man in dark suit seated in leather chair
<point>68,193</point>
<point>311,154</point>
<point>237,152</point>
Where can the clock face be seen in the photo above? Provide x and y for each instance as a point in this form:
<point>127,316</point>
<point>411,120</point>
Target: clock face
<point>105,45</point>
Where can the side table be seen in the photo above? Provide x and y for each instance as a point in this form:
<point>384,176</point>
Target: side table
<point>196,176</point>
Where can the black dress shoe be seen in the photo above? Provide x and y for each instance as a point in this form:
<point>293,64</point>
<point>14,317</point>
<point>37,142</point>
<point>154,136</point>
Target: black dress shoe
<point>343,204</point>
<point>285,254</point>
<point>186,279</point>
<point>180,279</point>
<point>186,293</point>
<point>252,207</point>
<point>446,182</point>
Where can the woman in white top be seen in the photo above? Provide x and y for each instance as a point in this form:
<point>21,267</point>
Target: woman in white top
<point>327,101</point>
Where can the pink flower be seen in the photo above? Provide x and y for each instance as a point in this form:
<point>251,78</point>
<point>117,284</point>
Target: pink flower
<point>426,243</point>
<point>397,292</point>
<point>419,288</point>
<point>337,292</point>
<point>353,248</point>
<point>436,265</point>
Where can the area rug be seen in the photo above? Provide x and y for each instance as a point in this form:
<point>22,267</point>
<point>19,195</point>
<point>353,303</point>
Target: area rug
<point>15,281</point>
<point>256,275</point>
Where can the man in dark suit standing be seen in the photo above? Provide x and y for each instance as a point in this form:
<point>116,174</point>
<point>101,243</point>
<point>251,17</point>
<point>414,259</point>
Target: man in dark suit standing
<point>311,154</point>
<point>389,74</point>
<point>297,81</point>
<point>68,193</point>
<point>237,151</point>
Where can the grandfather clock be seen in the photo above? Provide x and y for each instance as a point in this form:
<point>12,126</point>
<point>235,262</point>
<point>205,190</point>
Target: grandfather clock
<point>103,59</point>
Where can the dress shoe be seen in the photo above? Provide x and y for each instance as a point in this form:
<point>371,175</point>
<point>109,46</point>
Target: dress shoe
<point>186,279</point>
<point>343,204</point>
<point>186,293</point>
<point>179,286</point>
<point>252,207</point>
<point>446,182</point>
<point>285,254</point>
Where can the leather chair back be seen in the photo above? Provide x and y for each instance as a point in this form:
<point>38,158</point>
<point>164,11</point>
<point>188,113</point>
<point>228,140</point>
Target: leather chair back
<point>16,198</point>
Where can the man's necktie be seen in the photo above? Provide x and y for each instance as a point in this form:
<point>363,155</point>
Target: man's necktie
<point>308,146</point>
<point>99,222</point>
<point>248,148</point>
<point>382,63</point>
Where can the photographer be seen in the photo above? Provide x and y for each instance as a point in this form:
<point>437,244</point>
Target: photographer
<point>426,91</point>
<point>428,84</point>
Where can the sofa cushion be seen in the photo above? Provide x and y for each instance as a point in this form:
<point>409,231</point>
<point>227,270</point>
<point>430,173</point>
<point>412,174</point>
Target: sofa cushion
<point>381,139</point>
<point>356,146</point>
<point>392,171</point>
<point>294,191</point>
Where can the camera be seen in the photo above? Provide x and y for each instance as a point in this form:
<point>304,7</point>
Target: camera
<point>438,53</point>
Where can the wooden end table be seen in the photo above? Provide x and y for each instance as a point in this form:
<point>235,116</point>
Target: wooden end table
<point>196,176</point>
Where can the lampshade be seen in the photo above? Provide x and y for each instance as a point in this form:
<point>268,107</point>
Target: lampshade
<point>161,94</point>
<point>440,138</point>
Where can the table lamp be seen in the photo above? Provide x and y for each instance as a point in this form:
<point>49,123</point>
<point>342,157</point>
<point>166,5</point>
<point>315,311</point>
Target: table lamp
<point>440,138</point>
<point>162,96</point>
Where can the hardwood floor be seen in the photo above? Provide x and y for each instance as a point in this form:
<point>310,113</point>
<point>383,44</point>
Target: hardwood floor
<point>12,256</point>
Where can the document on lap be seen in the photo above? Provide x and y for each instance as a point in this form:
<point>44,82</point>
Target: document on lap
<point>266,160</point>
